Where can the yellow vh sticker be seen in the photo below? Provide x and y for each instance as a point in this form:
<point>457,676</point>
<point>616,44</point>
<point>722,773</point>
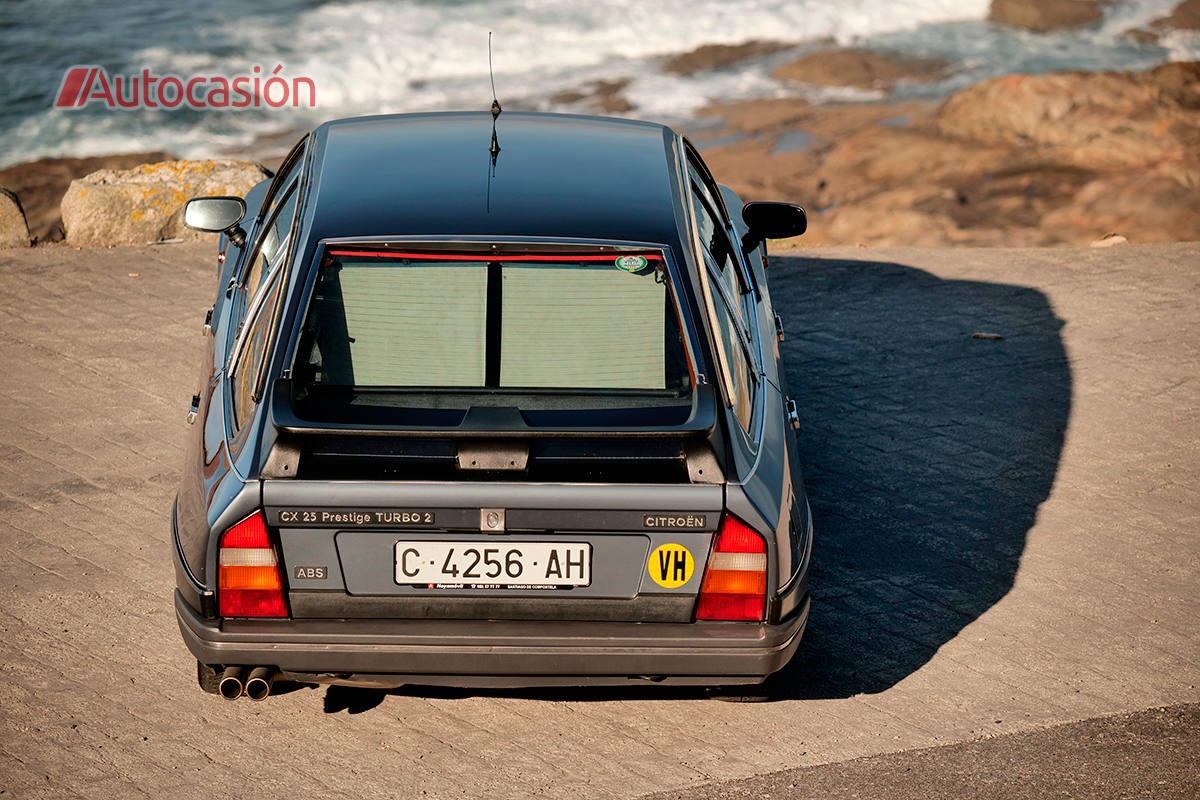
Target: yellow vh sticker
<point>671,565</point>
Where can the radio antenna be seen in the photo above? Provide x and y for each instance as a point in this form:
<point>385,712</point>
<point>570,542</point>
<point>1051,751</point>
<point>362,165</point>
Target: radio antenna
<point>492,75</point>
<point>494,149</point>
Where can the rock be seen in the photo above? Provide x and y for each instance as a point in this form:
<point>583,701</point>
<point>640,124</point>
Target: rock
<point>1012,196</point>
<point>716,56</point>
<point>874,158</point>
<point>1109,240</point>
<point>602,96</point>
<point>1045,15</point>
<point>1147,205</point>
<point>1100,120</point>
<point>885,219</point>
<point>863,69</point>
<point>1084,151</point>
<point>834,122</point>
<point>144,204</point>
<point>747,155</point>
<point>13,230</point>
<point>756,116</point>
<point>1185,17</point>
<point>1142,35</point>
<point>752,170</point>
<point>41,185</point>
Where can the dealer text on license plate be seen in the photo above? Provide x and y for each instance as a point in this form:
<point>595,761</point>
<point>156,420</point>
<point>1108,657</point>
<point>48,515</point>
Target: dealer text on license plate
<point>508,565</point>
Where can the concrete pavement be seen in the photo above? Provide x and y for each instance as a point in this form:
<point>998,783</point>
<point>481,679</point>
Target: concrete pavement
<point>1007,540</point>
<point>1145,754</point>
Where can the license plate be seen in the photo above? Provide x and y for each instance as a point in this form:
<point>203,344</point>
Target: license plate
<point>512,565</point>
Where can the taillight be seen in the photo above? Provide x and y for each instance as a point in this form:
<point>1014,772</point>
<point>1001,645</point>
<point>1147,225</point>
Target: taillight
<point>249,584</point>
<point>735,580</point>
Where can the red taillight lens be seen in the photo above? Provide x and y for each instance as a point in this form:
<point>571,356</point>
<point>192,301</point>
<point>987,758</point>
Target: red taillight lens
<point>250,583</point>
<point>735,580</point>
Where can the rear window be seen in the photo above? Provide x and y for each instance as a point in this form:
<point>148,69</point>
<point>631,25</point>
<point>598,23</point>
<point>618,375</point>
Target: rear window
<point>557,339</point>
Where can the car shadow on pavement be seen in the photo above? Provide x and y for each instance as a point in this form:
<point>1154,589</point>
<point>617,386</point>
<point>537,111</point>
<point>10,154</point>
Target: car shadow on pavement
<point>927,451</point>
<point>352,699</point>
<point>356,700</point>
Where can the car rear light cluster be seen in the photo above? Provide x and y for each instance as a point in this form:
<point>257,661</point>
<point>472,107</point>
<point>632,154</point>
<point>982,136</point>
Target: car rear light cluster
<point>250,583</point>
<point>735,580</point>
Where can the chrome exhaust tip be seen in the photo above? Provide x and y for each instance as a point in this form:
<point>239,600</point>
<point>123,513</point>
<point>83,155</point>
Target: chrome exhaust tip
<point>258,685</point>
<point>231,686</point>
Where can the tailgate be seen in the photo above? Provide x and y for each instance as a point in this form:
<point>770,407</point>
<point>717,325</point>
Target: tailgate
<point>493,550</point>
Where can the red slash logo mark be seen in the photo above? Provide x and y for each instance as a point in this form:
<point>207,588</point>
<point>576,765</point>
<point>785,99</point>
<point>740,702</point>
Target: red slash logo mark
<point>76,82</point>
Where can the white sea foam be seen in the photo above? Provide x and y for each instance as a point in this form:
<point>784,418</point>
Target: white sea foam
<point>1134,14</point>
<point>1182,45</point>
<point>378,55</point>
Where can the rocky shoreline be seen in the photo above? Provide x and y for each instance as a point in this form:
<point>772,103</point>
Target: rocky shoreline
<point>1022,160</point>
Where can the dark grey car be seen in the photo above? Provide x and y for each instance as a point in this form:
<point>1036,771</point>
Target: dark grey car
<point>491,419</point>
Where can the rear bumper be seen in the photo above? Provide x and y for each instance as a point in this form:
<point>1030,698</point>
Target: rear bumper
<point>497,653</point>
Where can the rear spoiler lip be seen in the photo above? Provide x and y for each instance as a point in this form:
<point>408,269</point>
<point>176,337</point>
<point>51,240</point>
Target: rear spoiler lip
<point>548,433</point>
<point>283,417</point>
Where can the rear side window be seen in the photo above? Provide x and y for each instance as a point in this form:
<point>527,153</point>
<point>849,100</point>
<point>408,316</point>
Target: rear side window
<point>253,351</point>
<point>274,240</point>
<point>532,332</point>
<point>739,364</point>
<point>731,307</point>
<point>260,296</point>
<point>717,245</point>
<point>292,162</point>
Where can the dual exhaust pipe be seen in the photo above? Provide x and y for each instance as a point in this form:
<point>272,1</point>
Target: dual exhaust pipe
<point>255,683</point>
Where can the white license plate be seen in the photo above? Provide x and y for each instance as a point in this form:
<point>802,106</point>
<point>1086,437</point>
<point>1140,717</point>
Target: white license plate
<point>509,565</point>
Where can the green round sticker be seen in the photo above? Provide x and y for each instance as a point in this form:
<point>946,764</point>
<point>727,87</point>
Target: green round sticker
<point>631,263</point>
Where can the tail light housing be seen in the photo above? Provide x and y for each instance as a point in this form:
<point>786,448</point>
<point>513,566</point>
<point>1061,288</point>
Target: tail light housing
<point>249,583</point>
<point>735,579</point>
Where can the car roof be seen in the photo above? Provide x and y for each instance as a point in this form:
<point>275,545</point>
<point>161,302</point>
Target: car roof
<point>556,175</point>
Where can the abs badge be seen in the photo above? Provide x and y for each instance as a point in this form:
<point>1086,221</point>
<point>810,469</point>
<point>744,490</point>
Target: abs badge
<point>671,565</point>
<point>634,264</point>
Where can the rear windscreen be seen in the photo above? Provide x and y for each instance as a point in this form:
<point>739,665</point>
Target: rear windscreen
<point>523,331</point>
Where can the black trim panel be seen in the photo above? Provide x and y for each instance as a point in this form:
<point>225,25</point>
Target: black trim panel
<point>644,608</point>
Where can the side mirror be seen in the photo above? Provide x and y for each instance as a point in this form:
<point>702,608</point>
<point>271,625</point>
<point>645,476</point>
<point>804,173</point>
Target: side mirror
<point>772,221</point>
<point>217,215</point>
